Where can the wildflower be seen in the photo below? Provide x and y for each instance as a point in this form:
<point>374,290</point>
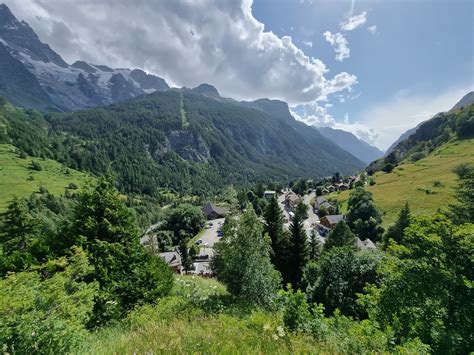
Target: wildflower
<point>266,327</point>
<point>280,331</point>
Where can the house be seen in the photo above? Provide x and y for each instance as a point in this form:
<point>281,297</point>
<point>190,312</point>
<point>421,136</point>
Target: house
<point>213,212</point>
<point>173,259</point>
<point>319,201</point>
<point>331,188</point>
<point>324,191</point>
<point>365,244</point>
<point>269,194</point>
<point>331,220</point>
<point>343,187</point>
<point>292,200</point>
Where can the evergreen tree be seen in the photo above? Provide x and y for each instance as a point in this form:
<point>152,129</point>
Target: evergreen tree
<point>184,252</point>
<point>396,231</point>
<point>314,246</point>
<point>18,228</point>
<point>300,250</point>
<point>126,273</point>
<point>340,236</point>
<point>242,261</point>
<point>280,253</point>
<point>302,210</point>
<point>463,211</point>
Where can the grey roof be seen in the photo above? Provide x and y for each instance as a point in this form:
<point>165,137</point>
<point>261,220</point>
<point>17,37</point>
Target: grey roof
<point>320,200</point>
<point>365,244</point>
<point>326,205</point>
<point>209,208</point>
<point>334,218</point>
<point>172,258</point>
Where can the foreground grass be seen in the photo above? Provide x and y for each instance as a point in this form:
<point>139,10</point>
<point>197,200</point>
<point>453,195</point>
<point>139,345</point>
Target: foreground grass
<point>18,179</point>
<point>201,317</point>
<point>427,185</point>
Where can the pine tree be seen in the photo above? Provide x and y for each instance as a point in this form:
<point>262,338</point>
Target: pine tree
<point>340,236</point>
<point>184,252</point>
<point>396,231</point>
<point>300,250</point>
<point>463,211</point>
<point>280,243</point>
<point>314,246</point>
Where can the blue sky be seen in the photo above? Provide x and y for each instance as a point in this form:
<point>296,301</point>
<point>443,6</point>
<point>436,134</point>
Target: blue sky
<point>420,49</point>
<point>375,67</point>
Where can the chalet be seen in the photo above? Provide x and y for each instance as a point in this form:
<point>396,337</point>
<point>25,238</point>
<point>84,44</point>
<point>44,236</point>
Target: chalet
<point>173,259</point>
<point>213,212</point>
<point>324,191</point>
<point>332,188</point>
<point>269,194</point>
<point>319,201</point>
<point>365,244</point>
<point>292,199</point>
<point>331,220</point>
<point>343,187</point>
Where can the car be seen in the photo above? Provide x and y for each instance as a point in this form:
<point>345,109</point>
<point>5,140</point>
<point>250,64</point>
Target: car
<point>199,241</point>
<point>210,224</point>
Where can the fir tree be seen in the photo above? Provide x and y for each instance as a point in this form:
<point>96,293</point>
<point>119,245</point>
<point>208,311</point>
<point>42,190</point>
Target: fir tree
<point>396,231</point>
<point>463,211</point>
<point>314,246</point>
<point>279,238</point>
<point>299,250</point>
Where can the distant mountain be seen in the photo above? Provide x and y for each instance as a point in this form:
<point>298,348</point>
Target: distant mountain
<point>62,86</point>
<point>467,100</point>
<point>402,137</point>
<point>349,142</point>
<point>179,139</point>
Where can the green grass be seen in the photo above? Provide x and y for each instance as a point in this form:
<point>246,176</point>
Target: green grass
<point>18,179</point>
<point>418,183</point>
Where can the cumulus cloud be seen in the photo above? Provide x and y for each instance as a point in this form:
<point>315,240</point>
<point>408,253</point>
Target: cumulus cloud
<point>317,115</point>
<point>307,43</point>
<point>339,43</point>
<point>353,22</point>
<point>372,29</point>
<point>187,42</point>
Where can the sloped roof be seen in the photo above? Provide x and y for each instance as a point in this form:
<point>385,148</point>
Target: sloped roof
<point>365,244</point>
<point>334,218</point>
<point>172,258</point>
<point>209,208</point>
<point>320,200</point>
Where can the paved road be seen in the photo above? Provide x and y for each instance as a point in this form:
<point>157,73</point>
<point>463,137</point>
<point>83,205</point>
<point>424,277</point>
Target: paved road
<point>209,237</point>
<point>281,203</point>
<point>312,217</point>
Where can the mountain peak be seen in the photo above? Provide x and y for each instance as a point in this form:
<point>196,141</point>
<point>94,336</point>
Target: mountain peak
<point>207,90</point>
<point>465,101</point>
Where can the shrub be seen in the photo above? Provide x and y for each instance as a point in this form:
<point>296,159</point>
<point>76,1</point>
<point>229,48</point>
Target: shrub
<point>36,166</point>
<point>417,156</point>
<point>46,315</point>
<point>387,168</point>
<point>72,186</point>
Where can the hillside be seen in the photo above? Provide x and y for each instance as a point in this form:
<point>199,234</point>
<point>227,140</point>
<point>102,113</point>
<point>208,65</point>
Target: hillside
<point>17,178</point>
<point>427,185</point>
<point>349,142</point>
<point>175,139</point>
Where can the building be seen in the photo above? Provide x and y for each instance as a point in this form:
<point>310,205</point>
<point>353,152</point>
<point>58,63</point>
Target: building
<point>214,212</point>
<point>343,187</point>
<point>269,194</point>
<point>173,259</point>
<point>331,220</point>
<point>292,200</point>
<point>365,244</point>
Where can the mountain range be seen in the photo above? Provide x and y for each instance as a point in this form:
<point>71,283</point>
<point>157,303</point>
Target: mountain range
<point>241,141</point>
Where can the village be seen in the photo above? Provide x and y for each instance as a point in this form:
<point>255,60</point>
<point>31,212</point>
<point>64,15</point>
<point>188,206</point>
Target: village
<point>323,214</point>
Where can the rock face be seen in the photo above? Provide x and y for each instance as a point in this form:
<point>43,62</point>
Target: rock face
<point>62,86</point>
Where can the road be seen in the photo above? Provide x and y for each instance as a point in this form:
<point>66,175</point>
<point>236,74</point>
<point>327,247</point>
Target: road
<point>209,236</point>
<point>312,217</point>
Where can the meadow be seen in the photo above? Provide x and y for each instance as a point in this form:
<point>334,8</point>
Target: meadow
<point>428,185</point>
<point>17,178</point>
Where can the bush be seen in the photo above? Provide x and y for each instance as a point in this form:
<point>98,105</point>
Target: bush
<point>417,156</point>
<point>36,166</point>
<point>72,186</point>
<point>388,168</point>
<point>46,315</point>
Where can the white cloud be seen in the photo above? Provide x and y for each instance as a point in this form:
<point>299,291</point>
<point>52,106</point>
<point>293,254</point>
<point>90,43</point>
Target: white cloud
<point>353,22</point>
<point>187,42</point>
<point>372,29</point>
<point>307,43</point>
<point>315,115</point>
<point>405,110</point>
<point>339,43</point>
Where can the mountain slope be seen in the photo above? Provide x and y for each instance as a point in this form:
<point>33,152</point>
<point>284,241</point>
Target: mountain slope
<point>347,141</point>
<point>465,101</point>
<point>68,87</point>
<point>402,137</point>
<point>181,140</point>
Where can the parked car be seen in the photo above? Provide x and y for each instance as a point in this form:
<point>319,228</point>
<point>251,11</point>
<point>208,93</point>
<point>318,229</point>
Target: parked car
<point>199,241</point>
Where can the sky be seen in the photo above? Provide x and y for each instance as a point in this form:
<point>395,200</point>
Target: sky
<point>374,67</point>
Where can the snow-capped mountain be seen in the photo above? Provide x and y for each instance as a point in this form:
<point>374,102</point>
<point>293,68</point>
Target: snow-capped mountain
<point>68,87</point>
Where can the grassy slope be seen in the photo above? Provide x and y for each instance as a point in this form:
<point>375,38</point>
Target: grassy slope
<point>410,182</point>
<point>15,172</point>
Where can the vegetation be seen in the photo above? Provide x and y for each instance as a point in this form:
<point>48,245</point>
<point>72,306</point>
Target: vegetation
<point>409,182</point>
